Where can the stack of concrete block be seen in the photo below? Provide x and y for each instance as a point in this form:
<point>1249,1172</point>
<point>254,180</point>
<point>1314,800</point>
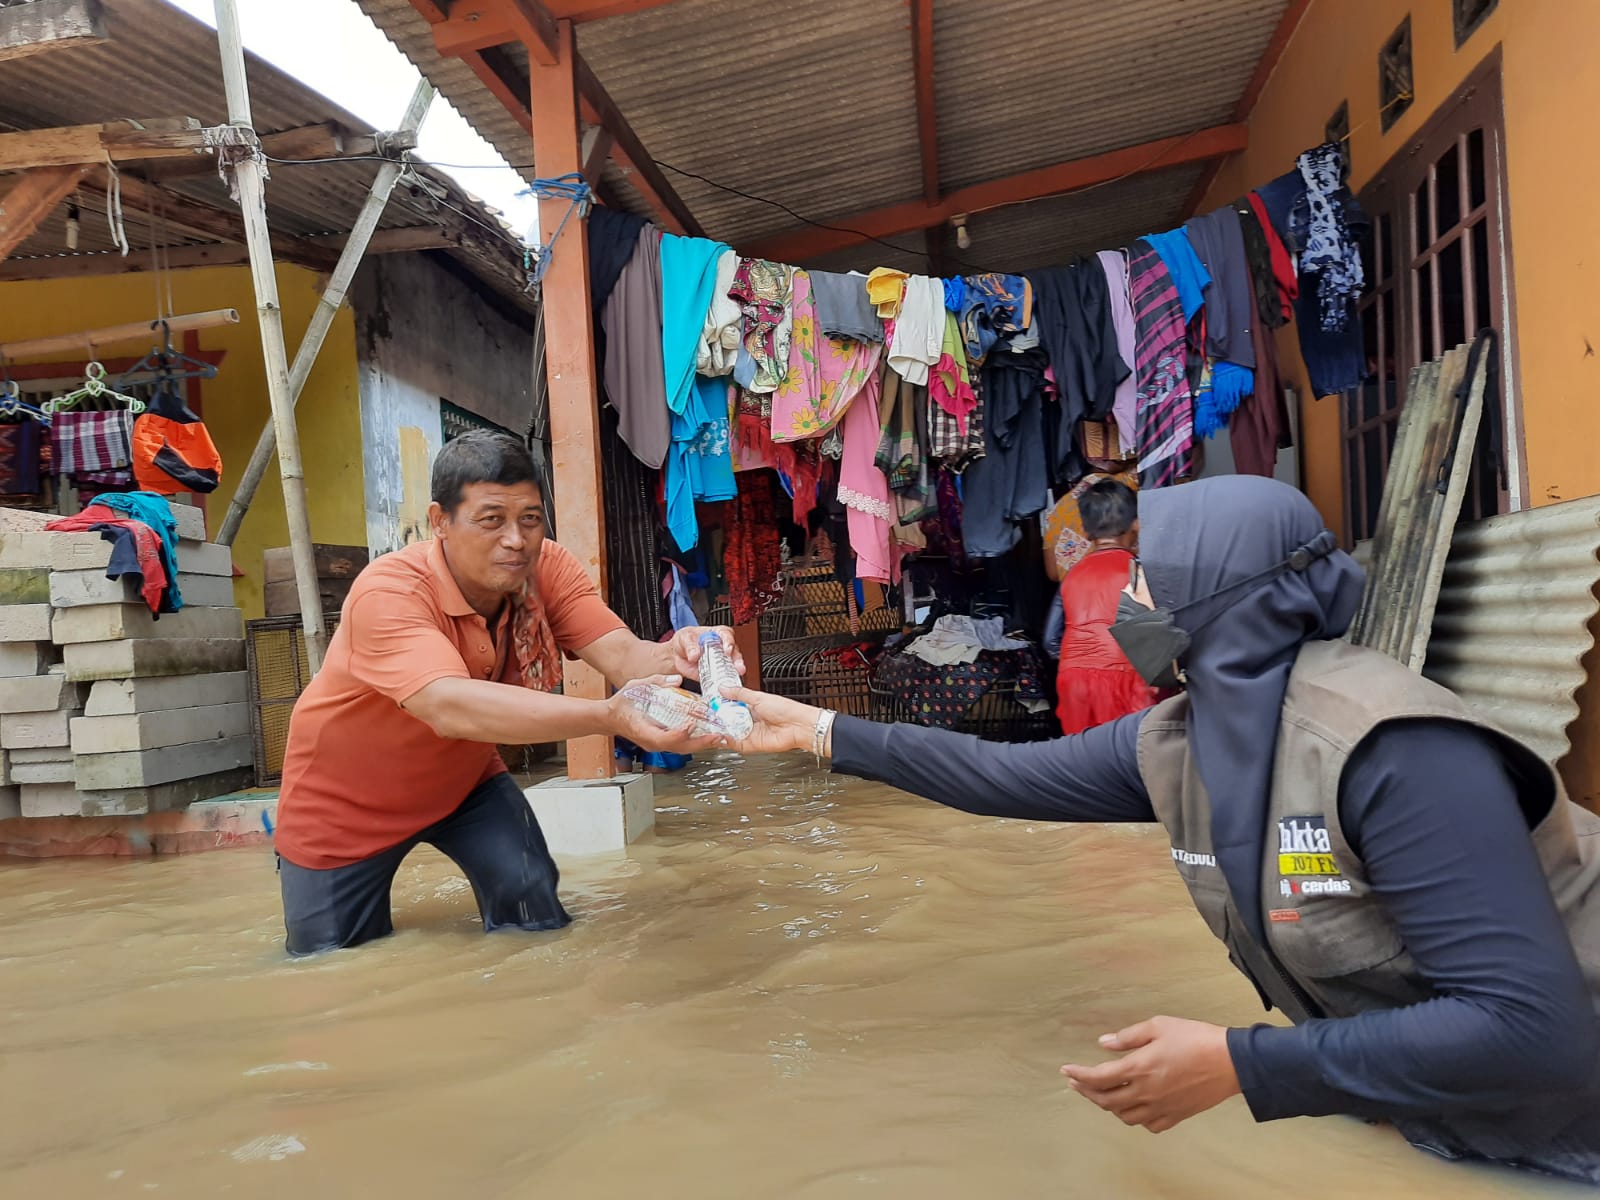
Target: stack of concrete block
<point>106,710</point>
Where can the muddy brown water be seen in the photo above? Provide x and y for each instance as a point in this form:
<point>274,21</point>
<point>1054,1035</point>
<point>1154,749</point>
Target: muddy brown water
<point>800,986</point>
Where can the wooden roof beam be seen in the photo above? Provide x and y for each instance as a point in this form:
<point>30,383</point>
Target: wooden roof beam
<point>802,244</point>
<point>304,143</point>
<point>481,24</point>
<point>1276,45</point>
<point>49,25</point>
<point>121,141</point>
<point>927,104</point>
<point>530,22</point>
<point>31,200</point>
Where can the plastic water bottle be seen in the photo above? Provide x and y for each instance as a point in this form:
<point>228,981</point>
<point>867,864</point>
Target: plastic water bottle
<point>670,708</point>
<point>717,679</point>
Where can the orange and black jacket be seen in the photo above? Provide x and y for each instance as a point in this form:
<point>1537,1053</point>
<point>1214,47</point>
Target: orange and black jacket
<point>172,451</point>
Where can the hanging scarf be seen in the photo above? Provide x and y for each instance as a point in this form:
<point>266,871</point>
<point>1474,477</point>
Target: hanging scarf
<point>538,657</point>
<point>762,289</point>
<point>1166,407</point>
<point>1330,252</point>
<point>754,550</point>
<point>824,374</point>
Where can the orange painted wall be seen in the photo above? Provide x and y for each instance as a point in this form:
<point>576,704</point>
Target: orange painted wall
<point>1551,85</point>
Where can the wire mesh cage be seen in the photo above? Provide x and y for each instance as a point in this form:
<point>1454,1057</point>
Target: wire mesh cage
<point>275,654</point>
<point>814,609</point>
<point>839,678</point>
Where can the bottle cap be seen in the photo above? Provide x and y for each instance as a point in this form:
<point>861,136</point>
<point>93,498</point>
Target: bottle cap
<point>710,638</point>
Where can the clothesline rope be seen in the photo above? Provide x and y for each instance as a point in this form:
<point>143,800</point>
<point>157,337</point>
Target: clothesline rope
<point>573,188</point>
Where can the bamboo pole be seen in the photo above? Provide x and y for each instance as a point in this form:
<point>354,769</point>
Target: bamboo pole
<point>115,335</point>
<point>249,175</point>
<point>328,306</point>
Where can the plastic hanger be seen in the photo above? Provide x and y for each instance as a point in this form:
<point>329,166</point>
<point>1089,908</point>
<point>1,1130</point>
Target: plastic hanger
<point>165,363</point>
<point>12,404</point>
<point>94,388</point>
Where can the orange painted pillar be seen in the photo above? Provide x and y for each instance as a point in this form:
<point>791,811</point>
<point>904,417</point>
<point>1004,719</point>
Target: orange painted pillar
<point>570,366</point>
<point>748,638</point>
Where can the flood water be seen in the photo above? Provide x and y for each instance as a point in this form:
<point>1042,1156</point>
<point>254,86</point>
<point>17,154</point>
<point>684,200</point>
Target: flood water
<point>799,987</point>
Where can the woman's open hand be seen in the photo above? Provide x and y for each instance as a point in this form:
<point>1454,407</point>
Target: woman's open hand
<point>781,724</point>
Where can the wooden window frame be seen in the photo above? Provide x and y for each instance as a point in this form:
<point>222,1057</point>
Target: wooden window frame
<point>1396,191</point>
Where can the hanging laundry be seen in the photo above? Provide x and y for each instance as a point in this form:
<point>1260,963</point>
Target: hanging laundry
<point>1267,304</point>
<point>994,305</point>
<point>1077,332</point>
<point>1166,406</point>
<point>885,288</point>
<point>613,238</point>
<point>1335,359</point>
<point>763,291</point>
<point>950,383</point>
<point>918,336</point>
<point>955,294</point>
<point>20,457</point>
<point>754,554</point>
<point>1125,405</point>
<point>1261,426</point>
<point>864,491</point>
<point>1218,241</point>
<point>1330,252</point>
<point>92,441</point>
<point>172,449</point>
<point>720,340</point>
<point>903,457</point>
<point>1283,269</point>
<point>825,374</point>
<point>1183,267</point>
<point>635,381</point>
<point>699,462</point>
<point>801,465</point>
<point>633,553</point>
<point>843,309</point>
<point>1011,482</point>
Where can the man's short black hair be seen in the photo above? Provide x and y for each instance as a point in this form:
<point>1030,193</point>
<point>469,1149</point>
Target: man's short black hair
<point>481,456</point>
<point>1108,509</point>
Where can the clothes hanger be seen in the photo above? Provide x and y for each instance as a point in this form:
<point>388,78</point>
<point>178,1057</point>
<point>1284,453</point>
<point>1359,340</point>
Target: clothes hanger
<point>12,404</point>
<point>94,388</point>
<point>166,364</point>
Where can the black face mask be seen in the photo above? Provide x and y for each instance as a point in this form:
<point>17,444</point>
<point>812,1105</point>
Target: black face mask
<point>1151,637</point>
<point>1152,641</point>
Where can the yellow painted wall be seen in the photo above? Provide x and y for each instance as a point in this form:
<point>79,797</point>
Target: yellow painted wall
<point>235,402</point>
<point>1551,86</point>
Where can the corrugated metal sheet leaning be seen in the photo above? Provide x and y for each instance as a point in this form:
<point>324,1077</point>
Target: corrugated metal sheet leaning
<point>1512,625</point>
<point>1422,496</point>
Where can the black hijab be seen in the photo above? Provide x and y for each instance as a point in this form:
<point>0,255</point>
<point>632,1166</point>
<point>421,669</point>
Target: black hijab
<point>1196,540</point>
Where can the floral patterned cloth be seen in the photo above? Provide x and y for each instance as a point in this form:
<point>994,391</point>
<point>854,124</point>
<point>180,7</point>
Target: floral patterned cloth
<point>762,289</point>
<point>825,374</point>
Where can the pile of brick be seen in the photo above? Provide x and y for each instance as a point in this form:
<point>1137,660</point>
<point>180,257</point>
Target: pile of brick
<point>106,710</point>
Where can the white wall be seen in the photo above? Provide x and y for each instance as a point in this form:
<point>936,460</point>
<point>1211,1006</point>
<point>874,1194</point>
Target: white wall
<point>423,335</point>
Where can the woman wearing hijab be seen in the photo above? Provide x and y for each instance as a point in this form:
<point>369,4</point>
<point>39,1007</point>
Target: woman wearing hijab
<point>1412,888</point>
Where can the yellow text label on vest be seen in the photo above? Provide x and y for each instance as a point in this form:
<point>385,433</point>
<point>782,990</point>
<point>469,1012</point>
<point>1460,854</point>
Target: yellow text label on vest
<point>1307,864</point>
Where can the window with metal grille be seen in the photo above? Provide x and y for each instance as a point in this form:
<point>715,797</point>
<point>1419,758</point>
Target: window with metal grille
<point>1437,265</point>
<point>454,421</point>
<point>1468,15</point>
<point>1394,75</point>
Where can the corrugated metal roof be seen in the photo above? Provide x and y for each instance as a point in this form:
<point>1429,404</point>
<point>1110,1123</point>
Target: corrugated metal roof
<point>1023,84</point>
<point>812,105</point>
<point>129,77</point>
<point>1512,626</point>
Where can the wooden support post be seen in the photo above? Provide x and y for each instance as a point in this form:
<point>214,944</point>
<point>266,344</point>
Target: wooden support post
<point>31,201</point>
<point>249,174</point>
<point>328,307</point>
<point>748,638</point>
<point>570,364</point>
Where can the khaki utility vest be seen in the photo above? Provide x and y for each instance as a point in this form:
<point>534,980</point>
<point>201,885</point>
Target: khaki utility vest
<point>1333,951</point>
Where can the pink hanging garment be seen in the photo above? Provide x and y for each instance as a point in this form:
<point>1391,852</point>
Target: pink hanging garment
<point>864,490</point>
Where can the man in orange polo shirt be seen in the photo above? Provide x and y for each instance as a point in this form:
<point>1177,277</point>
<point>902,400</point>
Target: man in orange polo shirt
<point>445,650</point>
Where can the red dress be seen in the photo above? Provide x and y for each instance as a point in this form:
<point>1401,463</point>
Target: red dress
<point>1095,682</point>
